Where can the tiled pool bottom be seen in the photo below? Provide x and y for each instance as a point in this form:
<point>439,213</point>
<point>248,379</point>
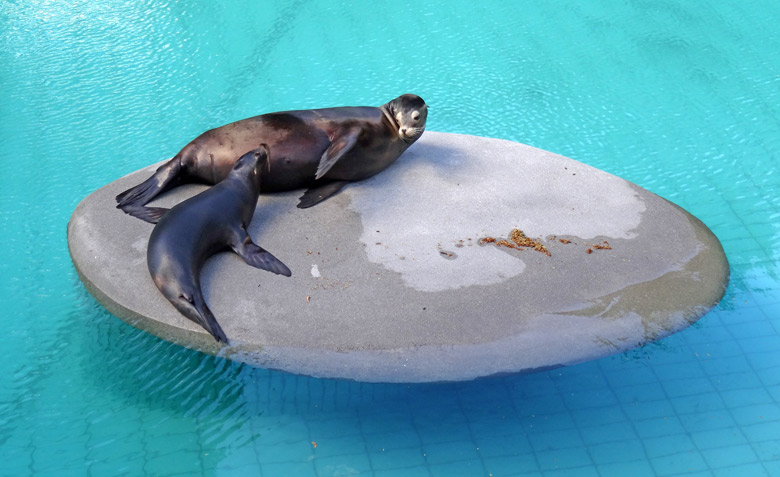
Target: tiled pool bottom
<point>658,411</point>
<point>701,402</point>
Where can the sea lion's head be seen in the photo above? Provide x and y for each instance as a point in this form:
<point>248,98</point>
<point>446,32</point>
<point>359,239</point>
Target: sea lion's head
<point>409,113</point>
<point>254,164</point>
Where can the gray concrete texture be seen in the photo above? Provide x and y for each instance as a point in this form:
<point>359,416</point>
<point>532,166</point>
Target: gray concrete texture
<point>391,282</point>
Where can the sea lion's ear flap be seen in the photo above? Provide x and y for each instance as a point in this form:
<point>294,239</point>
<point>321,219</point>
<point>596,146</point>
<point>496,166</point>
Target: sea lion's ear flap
<point>341,144</point>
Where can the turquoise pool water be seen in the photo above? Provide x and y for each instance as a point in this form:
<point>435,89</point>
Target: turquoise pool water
<point>681,98</point>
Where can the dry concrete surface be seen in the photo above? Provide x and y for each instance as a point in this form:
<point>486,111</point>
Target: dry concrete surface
<point>421,274</point>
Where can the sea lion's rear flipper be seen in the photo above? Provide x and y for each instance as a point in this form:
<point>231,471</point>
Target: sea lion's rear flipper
<point>315,195</point>
<point>166,176</point>
<point>340,145</point>
<point>259,257</point>
<point>148,214</point>
<point>194,307</point>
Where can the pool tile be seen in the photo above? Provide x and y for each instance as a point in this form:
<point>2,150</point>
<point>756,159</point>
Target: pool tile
<point>765,431</point>
<point>762,360</point>
<point>287,469</point>
<point>729,456</point>
<point>280,429</point>
<point>503,443</point>
<point>706,421</point>
<point>391,440</point>
<point>336,427</point>
<point>679,463</point>
<point>578,471</point>
<point>454,469</point>
<point>740,470</point>
<point>511,465</point>
<point>640,393</point>
<point>563,459</point>
<point>613,452</point>
<point>544,441</point>
<point>419,471</point>
<point>741,397</point>
<point>647,410</point>
<point>719,349</point>
<point>396,458</point>
<point>708,333</point>
<point>675,388</point>
<point>658,426</point>
<point>591,400</point>
<point>551,404</point>
<point>285,451</point>
<point>445,452</point>
<point>154,442</point>
<point>718,438</point>
<point>128,466</point>
<point>727,382</point>
<point>725,366</point>
<point>758,329</point>
<point>772,467</point>
<point>697,403</point>
<point>349,464</point>
<point>639,468</point>
<point>533,385</point>
<point>763,344</point>
<point>333,446</point>
<point>614,432</point>
<point>549,422</point>
<point>667,445</point>
<point>767,450</point>
<point>52,456</point>
<point>757,414</point>
<point>579,379</point>
<point>391,422</point>
<point>177,462</point>
<point>690,370</point>
<point>597,417</point>
<point>770,376</point>
<point>230,460</point>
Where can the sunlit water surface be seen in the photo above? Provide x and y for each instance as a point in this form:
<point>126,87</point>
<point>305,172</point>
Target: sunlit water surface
<point>679,97</point>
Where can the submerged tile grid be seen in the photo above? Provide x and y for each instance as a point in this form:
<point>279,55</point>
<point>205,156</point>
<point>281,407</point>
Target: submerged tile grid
<point>702,401</point>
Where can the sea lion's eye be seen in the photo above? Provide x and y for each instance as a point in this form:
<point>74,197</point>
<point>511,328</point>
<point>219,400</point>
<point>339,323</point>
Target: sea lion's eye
<point>415,115</point>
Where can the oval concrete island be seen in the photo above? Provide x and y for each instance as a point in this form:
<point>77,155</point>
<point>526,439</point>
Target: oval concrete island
<point>468,257</point>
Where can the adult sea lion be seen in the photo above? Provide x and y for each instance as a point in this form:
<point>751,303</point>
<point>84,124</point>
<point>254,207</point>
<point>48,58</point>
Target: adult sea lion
<point>320,149</point>
<point>209,222</point>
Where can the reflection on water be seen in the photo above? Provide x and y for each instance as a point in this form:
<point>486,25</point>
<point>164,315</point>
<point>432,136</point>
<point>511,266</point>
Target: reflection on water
<point>681,99</point>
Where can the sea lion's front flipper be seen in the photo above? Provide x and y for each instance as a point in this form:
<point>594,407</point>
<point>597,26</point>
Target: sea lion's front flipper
<point>148,214</point>
<point>166,176</point>
<point>259,257</point>
<point>315,195</point>
<point>340,145</point>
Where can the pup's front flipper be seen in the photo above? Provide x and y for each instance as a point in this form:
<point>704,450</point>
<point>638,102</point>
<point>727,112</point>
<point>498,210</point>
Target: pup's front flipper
<point>259,257</point>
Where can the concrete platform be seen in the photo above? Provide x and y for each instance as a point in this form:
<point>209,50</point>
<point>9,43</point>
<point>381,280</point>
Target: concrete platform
<point>394,281</point>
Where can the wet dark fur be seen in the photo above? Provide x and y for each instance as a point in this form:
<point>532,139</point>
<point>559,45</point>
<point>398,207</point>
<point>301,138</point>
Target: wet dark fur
<point>319,149</point>
<point>210,222</point>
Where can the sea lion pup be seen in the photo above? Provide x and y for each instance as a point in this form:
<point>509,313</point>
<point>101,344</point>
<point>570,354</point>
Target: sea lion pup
<point>207,223</point>
<point>320,149</point>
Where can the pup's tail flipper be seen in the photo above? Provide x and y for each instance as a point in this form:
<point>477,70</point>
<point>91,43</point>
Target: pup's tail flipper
<point>195,308</point>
